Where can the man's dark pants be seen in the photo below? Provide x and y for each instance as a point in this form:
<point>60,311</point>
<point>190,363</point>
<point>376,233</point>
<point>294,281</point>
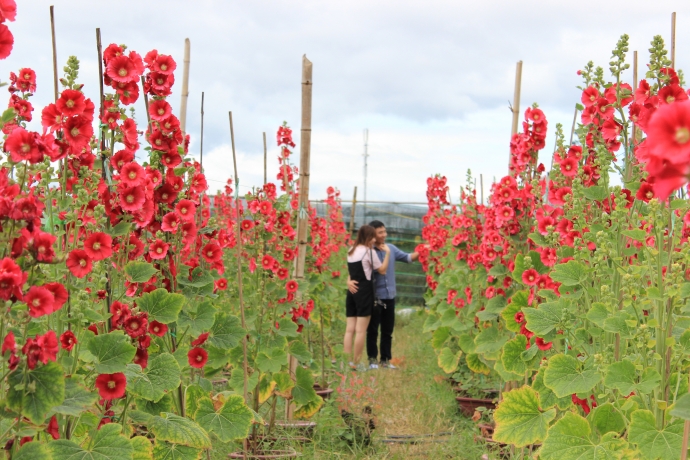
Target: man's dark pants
<point>384,317</point>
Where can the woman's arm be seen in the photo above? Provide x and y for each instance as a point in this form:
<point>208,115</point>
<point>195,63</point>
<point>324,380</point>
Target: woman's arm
<point>384,265</point>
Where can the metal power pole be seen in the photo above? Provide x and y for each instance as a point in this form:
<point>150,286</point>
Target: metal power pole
<point>366,156</point>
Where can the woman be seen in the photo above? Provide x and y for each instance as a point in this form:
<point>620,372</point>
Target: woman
<point>361,263</point>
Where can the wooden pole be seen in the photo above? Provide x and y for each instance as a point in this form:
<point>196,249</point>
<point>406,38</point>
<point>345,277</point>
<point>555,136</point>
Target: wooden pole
<point>185,89</point>
<point>673,39</point>
<point>265,160</point>
<point>55,68</point>
<point>239,257</point>
<point>516,97</point>
<point>146,101</point>
<point>572,130</point>
<point>481,187</point>
<point>201,148</point>
<point>302,222</point>
<point>352,211</point>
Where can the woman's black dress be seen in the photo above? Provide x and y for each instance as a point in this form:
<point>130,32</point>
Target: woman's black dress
<point>361,303</point>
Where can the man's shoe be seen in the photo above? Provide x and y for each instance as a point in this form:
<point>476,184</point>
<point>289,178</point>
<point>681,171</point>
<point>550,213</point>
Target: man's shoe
<point>388,365</point>
<point>373,365</point>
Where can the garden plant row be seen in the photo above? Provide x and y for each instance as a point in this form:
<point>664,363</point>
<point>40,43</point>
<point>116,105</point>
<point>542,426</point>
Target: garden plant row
<point>568,291</point>
<point>125,331</point>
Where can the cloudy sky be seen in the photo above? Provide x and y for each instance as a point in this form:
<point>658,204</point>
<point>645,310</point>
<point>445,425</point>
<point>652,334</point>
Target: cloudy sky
<point>431,80</point>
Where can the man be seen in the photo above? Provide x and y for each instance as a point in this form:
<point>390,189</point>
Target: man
<point>383,316</point>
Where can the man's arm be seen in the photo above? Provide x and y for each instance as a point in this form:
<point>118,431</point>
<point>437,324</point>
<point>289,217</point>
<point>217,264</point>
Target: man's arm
<point>403,256</point>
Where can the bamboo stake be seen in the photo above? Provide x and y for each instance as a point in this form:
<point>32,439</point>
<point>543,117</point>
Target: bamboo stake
<point>673,39</point>
<point>481,186</point>
<point>572,130</point>
<point>352,211</point>
<point>265,160</point>
<point>201,148</point>
<point>516,97</point>
<point>239,256</point>
<point>55,68</point>
<point>146,101</point>
<point>185,89</point>
<point>302,222</point>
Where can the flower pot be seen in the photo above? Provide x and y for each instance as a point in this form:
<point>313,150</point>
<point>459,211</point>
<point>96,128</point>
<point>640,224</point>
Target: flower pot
<point>302,426</point>
<point>265,454</point>
<point>486,429</point>
<point>325,393</point>
<point>469,405</point>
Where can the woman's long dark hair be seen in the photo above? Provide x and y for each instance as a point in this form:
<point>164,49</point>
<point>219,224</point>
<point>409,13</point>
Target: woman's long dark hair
<point>364,235</point>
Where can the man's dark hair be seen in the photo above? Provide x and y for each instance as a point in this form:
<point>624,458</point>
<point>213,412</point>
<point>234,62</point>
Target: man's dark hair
<point>376,224</point>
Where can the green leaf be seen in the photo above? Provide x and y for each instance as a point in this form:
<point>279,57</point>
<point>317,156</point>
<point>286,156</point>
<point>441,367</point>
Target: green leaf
<point>489,340</point>
<point>120,229</point>
<point>77,398</point>
<point>448,361</point>
<point>199,320</point>
<point>164,404</point>
<point>231,422</point>
<point>284,383</point>
<point>596,193</point>
<point>179,430</point>
<point>237,380</point>
<point>598,314</point>
<point>7,116</point>
<point>168,451</point>
<point>162,374</point>
<point>493,308</point>
<point>161,305</point>
<point>303,392</point>
<point>544,319</point>
<point>654,444</point>
<point>476,364</point>
<point>684,290</point>
<point>618,323</point>
<point>565,375</point>
<point>199,278</point>
<point>300,351</point>
<point>606,418</point>
<point>504,374</point>
<point>547,398</point>
<point>307,410</point>
<point>439,337</point>
<point>107,444</point>
<point>511,355</point>
<point>466,343</point>
<point>193,394</point>
<point>271,360</point>
<point>519,420</point>
<point>287,328</point>
<point>570,439</point>
<point>498,270</point>
<point>111,351</point>
<point>142,448</point>
<point>517,303</point>
<point>571,273</point>
<point>681,408</point>
<point>41,392</point>
<point>637,235</point>
<point>33,450</point>
<point>623,376</point>
<point>226,332</point>
<point>139,272</point>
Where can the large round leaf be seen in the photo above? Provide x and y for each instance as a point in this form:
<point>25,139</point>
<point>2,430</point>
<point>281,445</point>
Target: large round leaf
<point>519,420</point>
<point>231,422</point>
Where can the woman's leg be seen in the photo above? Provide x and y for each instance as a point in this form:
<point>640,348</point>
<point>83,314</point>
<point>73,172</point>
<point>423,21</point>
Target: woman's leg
<point>360,336</point>
<point>349,335</point>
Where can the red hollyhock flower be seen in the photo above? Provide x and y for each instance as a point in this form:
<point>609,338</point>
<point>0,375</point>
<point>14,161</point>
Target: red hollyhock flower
<point>8,344</point>
<point>43,348</point>
<point>111,386</point>
<point>197,357</point>
<point>79,263</point>
<point>267,262</point>
<point>78,132</point>
<point>121,158</point>
<point>43,246</point>
<point>530,277</point>
<point>668,133</point>
<point>8,11</point>
<point>40,301</point>
<point>159,110</point>
<point>543,345</point>
<point>569,167</point>
<point>221,284</point>
<point>71,102</point>
<point>132,174</point>
<point>288,254</point>
<point>53,429</point>
<point>6,41</point>
<point>158,249</point>
<point>170,222</point>
<point>59,294</point>
<point>68,340</point>
<point>200,340</point>
<point>282,273</point>
<point>132,198</point>
<point>157,328</point>
<point>212,252</point>
<point>645,192</point>
<point>185,210</point>
<point>291,286</point>
<point>247,224</point>
<point>122,69</point>
<point>98,246</point>
<point>21,145</point>
<point>136,325</point>
<point>141,358</point>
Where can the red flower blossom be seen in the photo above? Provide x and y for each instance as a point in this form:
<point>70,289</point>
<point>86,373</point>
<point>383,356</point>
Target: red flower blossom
<point>8,344</point>
<point>530,277</point>
<point>141,358</point>
<point>197,357</point>
<point>291,286</point>
<point>159,110</point>
<point>645,192</point>
<point>185,210</point>
<point>43,348</point>
<point>212,252</point>
<point>43,246</point>
<point>40,301</point>
<point>158,249</point>
<point>170,222</point>
<point>98,246</point>
<point>111,386</point>
<point>221,284</point>
<point>21,145</point>
<point>11,279</point>
<point>543,345</point>
<point>68,340</point>
<point>247,224</point>
<point>53,429</point>
<point>71,102</point>
<point>267,262</point>
<point>132,198</point>
<point>132,174</point>
<point>157,328</point>
<point>6,41</point>
<point>122,69</point>
<point>136,325</point>
<point>200,340</point>
<point>79,263</point>
<point>519,317</point>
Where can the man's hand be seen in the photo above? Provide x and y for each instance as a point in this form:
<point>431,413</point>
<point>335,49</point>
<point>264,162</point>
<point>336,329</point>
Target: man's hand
<point>352,286</point>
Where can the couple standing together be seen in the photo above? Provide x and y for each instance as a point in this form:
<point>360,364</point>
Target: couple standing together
<point>370,301</point>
